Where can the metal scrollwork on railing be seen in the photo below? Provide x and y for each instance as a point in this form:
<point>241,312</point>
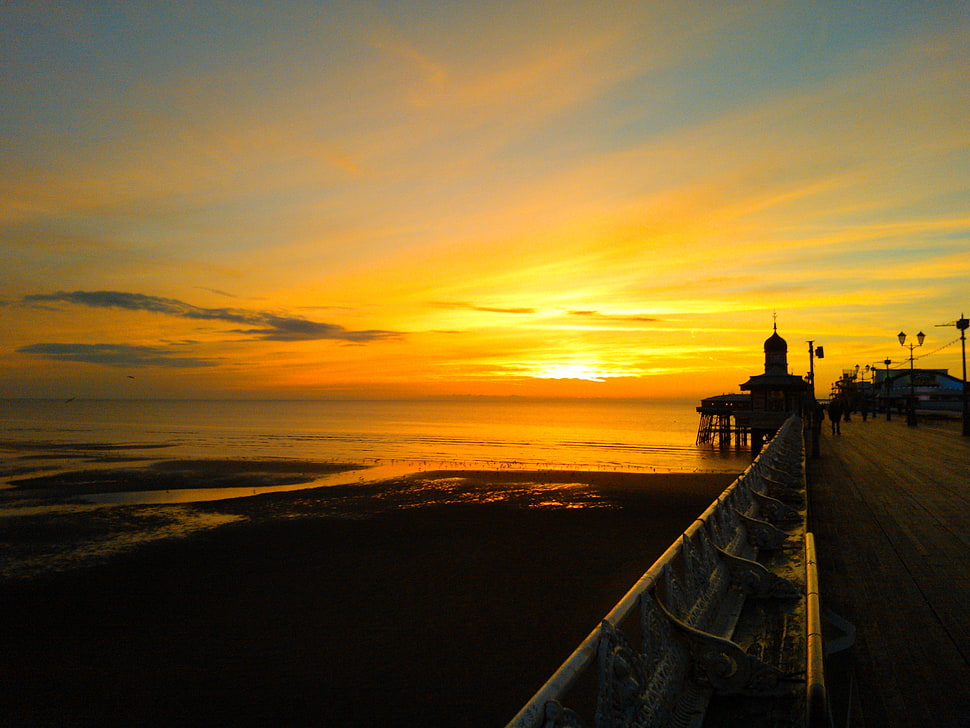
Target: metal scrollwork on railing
<point>664,660</point>
<point>558,716</point>
<point>722,665</point>
<point>762,534</point>
<point>756,581</point>
<point>622,681</point>
<point>728,532</point>
<point>783,491</point>
<point>774,510</point>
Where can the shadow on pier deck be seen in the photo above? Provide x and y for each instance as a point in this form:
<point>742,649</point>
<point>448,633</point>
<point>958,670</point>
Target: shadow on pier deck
<point>890,509</point>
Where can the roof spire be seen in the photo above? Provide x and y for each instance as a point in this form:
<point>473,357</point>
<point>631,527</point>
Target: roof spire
<point>774,318</point>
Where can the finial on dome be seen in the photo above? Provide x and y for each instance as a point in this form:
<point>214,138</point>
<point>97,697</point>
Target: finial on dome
<point>776,344</point>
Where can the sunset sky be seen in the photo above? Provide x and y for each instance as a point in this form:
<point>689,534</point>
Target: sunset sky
<point>356,199</point>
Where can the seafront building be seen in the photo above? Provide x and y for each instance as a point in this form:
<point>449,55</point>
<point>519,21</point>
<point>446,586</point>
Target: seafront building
<point>936,390</point>
<point>933,391</point>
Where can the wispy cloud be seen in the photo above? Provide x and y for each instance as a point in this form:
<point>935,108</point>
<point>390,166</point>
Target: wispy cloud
<point>487,309</point>
<point>116,355</point>
<point>218,292</point>
<point>268,326</point>
<point>597,315</point>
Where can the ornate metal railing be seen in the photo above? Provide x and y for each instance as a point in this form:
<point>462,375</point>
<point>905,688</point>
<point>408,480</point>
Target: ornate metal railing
<point>667,648</point>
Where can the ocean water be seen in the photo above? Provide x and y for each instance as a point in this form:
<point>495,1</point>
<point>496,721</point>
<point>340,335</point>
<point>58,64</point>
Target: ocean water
<point>76,443</point>
<point>469,433</point>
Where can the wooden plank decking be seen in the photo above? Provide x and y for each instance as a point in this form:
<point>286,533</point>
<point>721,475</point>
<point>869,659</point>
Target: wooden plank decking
<point>890,509</point>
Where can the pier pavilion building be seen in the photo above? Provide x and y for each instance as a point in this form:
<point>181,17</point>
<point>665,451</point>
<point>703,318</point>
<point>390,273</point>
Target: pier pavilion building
<point>776,394</point>
<point>768,401</point>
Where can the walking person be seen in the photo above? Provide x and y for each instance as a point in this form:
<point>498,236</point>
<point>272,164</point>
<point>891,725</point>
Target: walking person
<point>835,415</point>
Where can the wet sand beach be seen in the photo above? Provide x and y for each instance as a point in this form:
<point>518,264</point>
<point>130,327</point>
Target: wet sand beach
<point>439,599</point>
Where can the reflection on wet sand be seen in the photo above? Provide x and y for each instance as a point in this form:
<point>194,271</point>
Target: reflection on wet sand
<point>39,539</point>
<point>77,517</point>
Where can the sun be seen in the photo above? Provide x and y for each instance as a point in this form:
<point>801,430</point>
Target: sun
<point>570,371</point>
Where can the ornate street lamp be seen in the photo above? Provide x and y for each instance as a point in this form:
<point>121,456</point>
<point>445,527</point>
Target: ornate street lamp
<point>889,399</point>
<point>911,410</point>
<point>869,393</point>
<point>963,324</point>
<point>817,413</point>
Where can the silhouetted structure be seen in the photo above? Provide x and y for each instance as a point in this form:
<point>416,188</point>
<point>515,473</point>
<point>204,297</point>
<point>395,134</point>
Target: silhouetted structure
<point>773,396</point>
<point>776,394</point>
<point>723,418</point>
<point>937,391</point>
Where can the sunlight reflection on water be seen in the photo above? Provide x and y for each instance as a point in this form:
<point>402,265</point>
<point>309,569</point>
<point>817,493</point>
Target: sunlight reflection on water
<point>387,439</point>
<point>523,433</point>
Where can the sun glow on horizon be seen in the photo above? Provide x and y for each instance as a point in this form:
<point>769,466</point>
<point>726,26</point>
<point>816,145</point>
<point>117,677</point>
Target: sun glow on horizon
<point>588,372</point>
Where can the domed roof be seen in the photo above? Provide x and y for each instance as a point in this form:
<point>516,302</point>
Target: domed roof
<point>775,343</point>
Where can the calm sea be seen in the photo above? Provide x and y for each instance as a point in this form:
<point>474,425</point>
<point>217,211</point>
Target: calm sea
<point>474,432</point>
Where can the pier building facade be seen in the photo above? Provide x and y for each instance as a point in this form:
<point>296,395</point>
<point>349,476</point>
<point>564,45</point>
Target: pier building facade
<point>936,390</point>
<point>776,394</point>
<point>768,400</point>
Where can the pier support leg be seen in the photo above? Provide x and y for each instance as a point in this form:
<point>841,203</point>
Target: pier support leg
<point>757,441</point>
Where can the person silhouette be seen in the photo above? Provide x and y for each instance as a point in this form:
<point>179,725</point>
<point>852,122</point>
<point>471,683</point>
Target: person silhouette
<point>835,415</point>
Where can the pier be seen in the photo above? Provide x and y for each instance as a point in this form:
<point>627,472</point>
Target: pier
<point>890,509</point>
<point>724,419</point>
<point>862,618</point>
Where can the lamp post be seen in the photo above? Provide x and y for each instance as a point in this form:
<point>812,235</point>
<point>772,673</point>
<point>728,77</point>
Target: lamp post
<point>869,393</point>
<point>817,412</point>
<point>963,324</point>
<point>911,410</point>
<point>889,401</point>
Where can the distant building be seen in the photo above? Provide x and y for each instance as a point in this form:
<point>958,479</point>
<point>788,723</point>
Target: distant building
<point>774,396</point>
<point>936,390</point>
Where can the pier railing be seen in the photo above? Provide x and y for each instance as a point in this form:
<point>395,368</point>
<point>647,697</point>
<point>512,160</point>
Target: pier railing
<point>672,644</point>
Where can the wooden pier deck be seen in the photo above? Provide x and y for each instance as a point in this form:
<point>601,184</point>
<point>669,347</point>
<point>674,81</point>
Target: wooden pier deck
<point>890,509</point>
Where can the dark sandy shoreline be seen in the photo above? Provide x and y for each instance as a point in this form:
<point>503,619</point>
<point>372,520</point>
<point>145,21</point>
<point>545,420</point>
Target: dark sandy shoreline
<point>442,599</point>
